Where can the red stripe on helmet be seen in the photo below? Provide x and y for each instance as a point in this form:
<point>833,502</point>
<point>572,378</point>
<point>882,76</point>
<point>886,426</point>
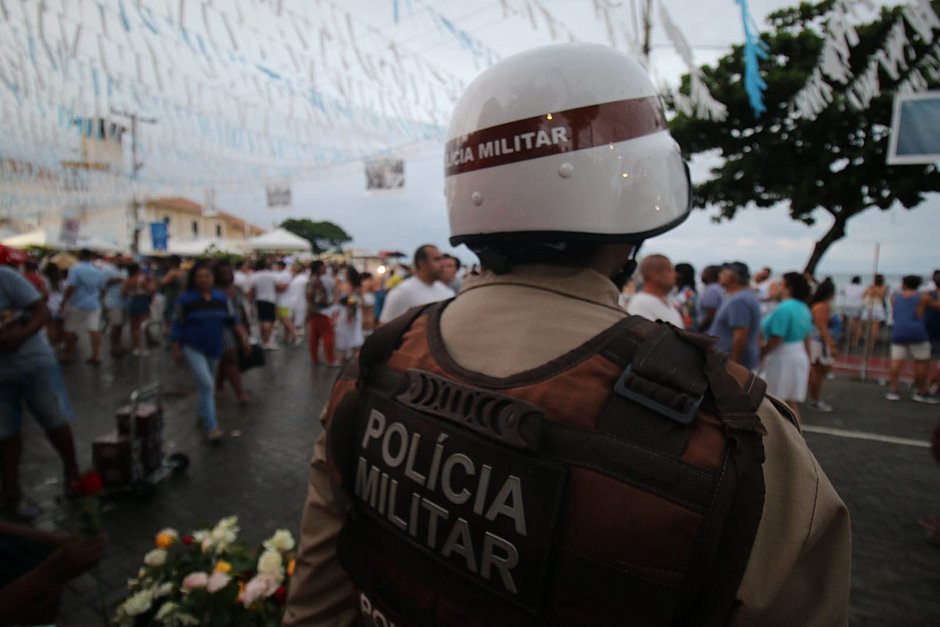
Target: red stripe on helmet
<point>554,133</point>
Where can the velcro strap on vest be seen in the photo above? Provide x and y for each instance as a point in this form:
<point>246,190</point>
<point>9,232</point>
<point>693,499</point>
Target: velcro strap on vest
<point>736,391</point>
<point>663,375</point>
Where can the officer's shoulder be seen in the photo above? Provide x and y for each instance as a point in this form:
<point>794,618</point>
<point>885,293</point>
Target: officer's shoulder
<point>774,411</point>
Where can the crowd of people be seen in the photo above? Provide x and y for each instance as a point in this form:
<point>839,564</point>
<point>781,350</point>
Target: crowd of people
<point>789,329</point>
<point>217,315</point>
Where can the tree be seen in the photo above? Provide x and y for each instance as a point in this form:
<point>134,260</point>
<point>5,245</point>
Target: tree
<point>835,162</point>
<point>321,235</point>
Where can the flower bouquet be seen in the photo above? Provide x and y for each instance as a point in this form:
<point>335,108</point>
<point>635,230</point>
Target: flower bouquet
<point>209,577</point>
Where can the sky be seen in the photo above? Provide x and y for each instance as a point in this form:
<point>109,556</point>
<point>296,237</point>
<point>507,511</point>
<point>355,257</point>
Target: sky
<point>906,240</point>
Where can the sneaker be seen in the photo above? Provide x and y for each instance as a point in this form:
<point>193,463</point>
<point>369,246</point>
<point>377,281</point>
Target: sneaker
<point>893,396</point>
<point>821,406</point>
<point>297,341</point>
<point>271,346</point>
<point>929,399</point>
<point>214,436</point>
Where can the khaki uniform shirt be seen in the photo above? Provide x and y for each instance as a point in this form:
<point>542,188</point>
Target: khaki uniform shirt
<point>799,568</point>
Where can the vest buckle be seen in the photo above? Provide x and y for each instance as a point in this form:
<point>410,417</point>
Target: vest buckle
<point>654,396</point>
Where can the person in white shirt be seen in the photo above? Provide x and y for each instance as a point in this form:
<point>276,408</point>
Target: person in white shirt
<point>243,278</point>
<point>297,295</point>
<point>421,288</point>
<point>766,290</point>
<point>652,301</point>
<point>264,293</point>
<point>285,302</point>
<point>850,301</point>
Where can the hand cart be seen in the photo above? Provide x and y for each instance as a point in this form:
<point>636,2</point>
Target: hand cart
<point>131,459</point>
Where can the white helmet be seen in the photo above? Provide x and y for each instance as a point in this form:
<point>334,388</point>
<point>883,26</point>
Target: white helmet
<point>563,143</point>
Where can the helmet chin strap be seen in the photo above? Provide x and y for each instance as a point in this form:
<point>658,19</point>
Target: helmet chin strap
<point>620,279</point>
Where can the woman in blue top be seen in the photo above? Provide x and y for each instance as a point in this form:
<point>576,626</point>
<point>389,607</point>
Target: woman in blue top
<point>200,318</point>
<point>786,334</point>
<point>909,339</point>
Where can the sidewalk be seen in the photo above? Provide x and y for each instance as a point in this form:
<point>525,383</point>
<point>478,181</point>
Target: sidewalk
<point>261,476</point>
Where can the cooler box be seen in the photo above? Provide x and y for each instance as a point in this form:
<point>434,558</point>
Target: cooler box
<point>149,423</point>
<point>111,456</point>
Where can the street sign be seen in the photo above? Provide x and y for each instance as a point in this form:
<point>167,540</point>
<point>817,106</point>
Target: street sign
<point>158,236</point>
<point>915,129</point>
<point>70,229</point>
<point>278,195</point>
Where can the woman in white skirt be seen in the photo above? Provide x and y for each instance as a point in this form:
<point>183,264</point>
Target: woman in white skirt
<point>787,332</point>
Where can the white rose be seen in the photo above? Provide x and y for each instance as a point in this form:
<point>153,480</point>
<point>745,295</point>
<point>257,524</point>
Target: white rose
<point>163,590</point>
<point>282,541</point>
<point>165,609</point>
<point>271,563</point>
<point>156,557</point>
<point>138,603</point>
<point>221,537</point>
<point>217,581</point>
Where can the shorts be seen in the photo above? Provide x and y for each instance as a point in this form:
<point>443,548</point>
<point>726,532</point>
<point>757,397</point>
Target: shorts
<point>283,312</point>
<point>82,319</point>
<point>43,391</point>
<point>876,314</point>
<point>917,352</point>
<point>266,311</point>
<point>852,312</point>
<point>115,316</point>
<point>819,353</point>
<point>140,305</point>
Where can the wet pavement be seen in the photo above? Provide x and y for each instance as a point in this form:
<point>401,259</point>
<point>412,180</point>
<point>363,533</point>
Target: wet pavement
<point>260,474</point>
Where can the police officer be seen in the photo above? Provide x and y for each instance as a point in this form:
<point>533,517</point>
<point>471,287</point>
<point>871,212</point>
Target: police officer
<point>528,453</point>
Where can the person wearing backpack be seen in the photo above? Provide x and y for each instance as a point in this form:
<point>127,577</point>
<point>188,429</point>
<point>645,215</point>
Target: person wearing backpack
<point>528,453</point>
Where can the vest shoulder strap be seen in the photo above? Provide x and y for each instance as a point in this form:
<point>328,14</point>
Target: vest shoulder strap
<point>379,346</point>
<point>669,372</point>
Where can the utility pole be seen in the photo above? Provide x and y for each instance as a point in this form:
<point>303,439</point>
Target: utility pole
<point>136,165</point>
<point>647,27</point>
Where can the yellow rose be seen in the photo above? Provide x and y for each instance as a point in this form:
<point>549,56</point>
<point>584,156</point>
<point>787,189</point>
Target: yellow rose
<point>222,567</point>
<point>165,538</point>
<point>290,567</point>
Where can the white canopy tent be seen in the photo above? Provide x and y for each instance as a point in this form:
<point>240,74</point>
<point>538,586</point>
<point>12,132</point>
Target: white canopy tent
<point>36,237</point>
<point>41,237</point>
<point>280,240</point>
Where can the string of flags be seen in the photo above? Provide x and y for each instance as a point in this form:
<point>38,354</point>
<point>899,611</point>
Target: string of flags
<point>834,64</point>
<point>250,91</point>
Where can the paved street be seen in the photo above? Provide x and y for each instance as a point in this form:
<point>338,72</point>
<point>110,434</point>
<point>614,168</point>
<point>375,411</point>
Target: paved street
<point>260,474</point>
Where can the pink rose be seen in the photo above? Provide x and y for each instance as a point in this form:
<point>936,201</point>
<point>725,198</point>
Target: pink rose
<point>195,580</point>
<point>216,582</point>
<point>261,585</point>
